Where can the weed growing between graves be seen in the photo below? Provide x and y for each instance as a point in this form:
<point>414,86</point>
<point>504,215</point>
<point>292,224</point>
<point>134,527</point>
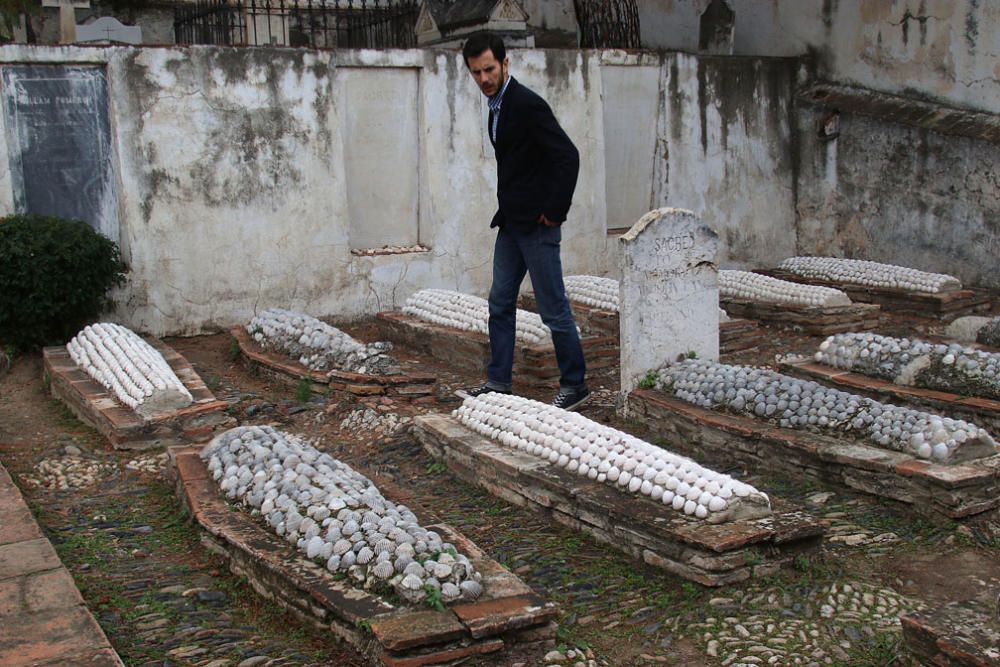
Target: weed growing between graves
<point>234,349</point>
<point>883,649</point>
<point>648,381</point>
<point>303,390</point>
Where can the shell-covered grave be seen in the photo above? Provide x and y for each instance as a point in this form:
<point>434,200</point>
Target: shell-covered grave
<point>593,291</point>
<point>748,286</point>
<point>129,367</point>
<point>471,313</point>
<point>914,362</point>
<point>336,516</point>
<point>870,274</point>
<point>793,403</point>
<point>318,345</point>
<point>592,450</point>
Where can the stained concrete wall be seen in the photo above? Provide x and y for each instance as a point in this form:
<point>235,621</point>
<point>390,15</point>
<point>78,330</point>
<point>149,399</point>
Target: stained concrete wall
<point>902,195</point>
<point>947,50</point>
<point>238,170</point>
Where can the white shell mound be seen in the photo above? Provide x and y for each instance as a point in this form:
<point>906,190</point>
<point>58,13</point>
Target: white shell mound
<point>471,313</point>
<point>589,449</point>
<point>755,287</point>
<point>803,404</point>
<point>336,515</point>
<point>129,367</point>
<point>872,274</point>
<point>594,291</point>
<point>319,346</point>
<point>914,362</point>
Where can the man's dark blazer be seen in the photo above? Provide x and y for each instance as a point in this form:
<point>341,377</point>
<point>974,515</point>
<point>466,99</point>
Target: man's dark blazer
<point>537,164</point>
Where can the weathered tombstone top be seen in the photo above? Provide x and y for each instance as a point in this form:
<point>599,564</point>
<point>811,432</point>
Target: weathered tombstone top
<point>669,293</point>
<point>448,23</point>
<point>108,30</point>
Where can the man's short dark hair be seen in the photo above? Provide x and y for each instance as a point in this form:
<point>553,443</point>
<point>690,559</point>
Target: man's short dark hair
<point>481,42</point>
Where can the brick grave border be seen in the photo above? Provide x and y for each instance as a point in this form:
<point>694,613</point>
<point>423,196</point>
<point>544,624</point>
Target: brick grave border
<point>943,305</point>
<point>983,412</point>
<point>43,616</point>
<point>737,335</point>
<point>123,427</point>
<point>508,615</point>
<point>958,634</point>
<point>813,320</point>
<point>414,387</point>
<point>709,554</point>
<point>534,365</point>
<point>952,491</point>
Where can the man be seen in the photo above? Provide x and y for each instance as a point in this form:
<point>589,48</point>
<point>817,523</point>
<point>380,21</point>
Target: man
<point>537,167</point>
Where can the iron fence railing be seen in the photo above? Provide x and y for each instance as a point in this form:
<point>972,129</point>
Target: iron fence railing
<point>372,24</point>
<point>608,24</point>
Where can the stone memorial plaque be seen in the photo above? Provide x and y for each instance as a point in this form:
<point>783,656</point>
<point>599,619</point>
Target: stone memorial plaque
<point>669,293</point>
<point>59,140</point>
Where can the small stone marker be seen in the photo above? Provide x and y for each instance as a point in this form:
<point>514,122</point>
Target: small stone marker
<point>669,293</point>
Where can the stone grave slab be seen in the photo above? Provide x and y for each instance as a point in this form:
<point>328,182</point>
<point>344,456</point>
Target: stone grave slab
<point>952,491</point>
<point>669,293</point>
<point>983,412</point>
<point>943,305</point>
<point>124,428</point>
<point>405,387</point>
<point>507,615</point>
<point>712,555</point>
<point>534,365</point>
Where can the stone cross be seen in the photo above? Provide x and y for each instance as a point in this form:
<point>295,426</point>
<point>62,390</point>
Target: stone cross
<point>668,295</point>
<point>67,17</point>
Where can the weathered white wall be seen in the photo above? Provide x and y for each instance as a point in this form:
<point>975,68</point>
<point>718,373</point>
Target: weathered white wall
<point>945,49</point>
<point>239,170</point>
<point>726,153</point>
<point>902,195</point>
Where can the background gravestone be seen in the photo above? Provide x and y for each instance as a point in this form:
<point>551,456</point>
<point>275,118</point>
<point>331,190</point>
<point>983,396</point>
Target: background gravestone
<point>60,143</point>
<point>669,293</point>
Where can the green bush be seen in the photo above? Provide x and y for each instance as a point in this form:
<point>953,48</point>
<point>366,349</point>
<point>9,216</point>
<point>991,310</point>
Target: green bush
<point>54,278</point>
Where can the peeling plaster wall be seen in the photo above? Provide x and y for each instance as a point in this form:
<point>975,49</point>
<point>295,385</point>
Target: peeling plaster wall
<point>902,195</point>
<point>233,194</point>
<point>947,50</point>
<point>727,153</point>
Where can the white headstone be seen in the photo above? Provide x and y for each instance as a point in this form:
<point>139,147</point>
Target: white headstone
<point>109,30</point>
<point>669,293</point>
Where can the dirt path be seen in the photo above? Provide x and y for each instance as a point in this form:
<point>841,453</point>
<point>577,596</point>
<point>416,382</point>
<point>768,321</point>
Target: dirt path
<point>163,599</point>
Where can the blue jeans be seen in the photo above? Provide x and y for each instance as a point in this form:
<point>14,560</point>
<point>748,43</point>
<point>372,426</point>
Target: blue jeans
<point>534,251</point>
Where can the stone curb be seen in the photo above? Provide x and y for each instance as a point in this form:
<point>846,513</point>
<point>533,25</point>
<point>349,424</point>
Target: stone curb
<point>125,428</point>
<point>42,615</point>
<point>710,554</point>
<point>508,614</point>
<point>816,321</point>
<point>954,491</point>
<point>959,634</point>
